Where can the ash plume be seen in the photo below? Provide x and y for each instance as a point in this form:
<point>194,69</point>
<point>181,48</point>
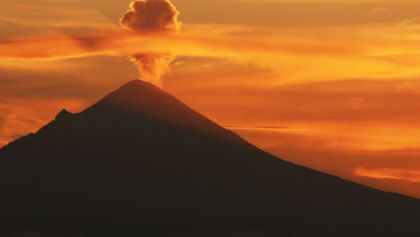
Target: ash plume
<point>150,17</point>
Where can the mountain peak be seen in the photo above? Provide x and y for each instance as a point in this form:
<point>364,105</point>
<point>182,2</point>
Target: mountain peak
<point>138,86</point>
<point>63,114</point>
<point>138,97</point>
<point>144,101</point>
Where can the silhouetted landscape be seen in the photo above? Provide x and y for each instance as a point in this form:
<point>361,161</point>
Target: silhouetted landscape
<point>141,163</point>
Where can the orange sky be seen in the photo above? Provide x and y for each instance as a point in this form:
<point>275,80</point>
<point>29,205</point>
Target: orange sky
<point>328,84</point>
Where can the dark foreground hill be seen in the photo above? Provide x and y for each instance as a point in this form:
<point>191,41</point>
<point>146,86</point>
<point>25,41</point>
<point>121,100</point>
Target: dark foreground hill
<point>139,162</point>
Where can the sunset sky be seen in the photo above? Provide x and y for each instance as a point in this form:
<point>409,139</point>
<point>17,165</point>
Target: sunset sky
<point>330,84</point>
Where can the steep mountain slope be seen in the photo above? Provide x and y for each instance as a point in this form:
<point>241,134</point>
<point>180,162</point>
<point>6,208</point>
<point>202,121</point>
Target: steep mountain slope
<point>140,161</point>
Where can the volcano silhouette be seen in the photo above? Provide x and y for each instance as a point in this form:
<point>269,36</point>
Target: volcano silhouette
<point>140,162</point>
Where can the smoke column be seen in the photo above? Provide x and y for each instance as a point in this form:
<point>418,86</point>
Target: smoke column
<point>151,17</point>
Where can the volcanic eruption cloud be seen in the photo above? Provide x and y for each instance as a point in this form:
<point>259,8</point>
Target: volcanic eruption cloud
<point>152,17</point>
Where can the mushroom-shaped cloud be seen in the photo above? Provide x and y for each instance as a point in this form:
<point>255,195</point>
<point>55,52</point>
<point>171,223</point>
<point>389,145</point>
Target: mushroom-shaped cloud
<point>152,16</point>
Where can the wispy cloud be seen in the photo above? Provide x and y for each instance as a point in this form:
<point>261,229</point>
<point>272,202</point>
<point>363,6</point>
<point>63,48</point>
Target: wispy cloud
<point>48,15</point>
<point>295,56</point>
<point>185,44</point>
<point>389,173</point>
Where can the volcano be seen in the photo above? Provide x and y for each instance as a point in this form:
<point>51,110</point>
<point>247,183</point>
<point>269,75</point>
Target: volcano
<point>141,163</point>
